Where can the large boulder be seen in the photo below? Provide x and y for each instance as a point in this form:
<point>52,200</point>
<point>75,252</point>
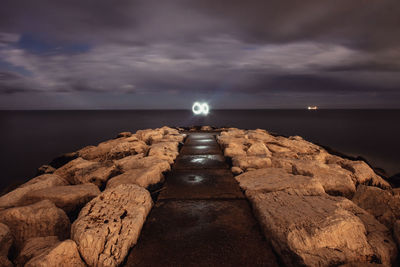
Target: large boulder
<point>164,150</point>
<point>140,162</point>
<point>81,171</point>
<point>260,135</point>
<point>150,135</point>
<point>34,247</point>
<point>258,148</point>
<point>251,162</point>
<point>110,224</point>
<point>273,179</point>
<point>383,204</point>
<point>142,177</point>
<point>63,254</point>
<point>6,241</point>
<point>40,219</point>
<point>70,198</point>
<point>321,230</point>
<point>13,198</point>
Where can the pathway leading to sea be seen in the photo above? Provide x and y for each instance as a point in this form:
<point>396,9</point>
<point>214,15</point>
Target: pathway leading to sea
<point>201,217</point>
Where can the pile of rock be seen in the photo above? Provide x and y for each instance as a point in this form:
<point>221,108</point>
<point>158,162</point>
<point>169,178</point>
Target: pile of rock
<point>317,209</point>
<point>105,184</point>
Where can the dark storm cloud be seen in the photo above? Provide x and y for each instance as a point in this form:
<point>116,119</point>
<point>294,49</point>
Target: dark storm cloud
<point>200,47</point>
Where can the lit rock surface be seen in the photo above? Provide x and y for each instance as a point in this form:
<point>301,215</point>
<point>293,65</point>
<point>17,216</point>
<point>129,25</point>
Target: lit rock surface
<point>69,198</point>
<point>81,171</point>
<point>34,247</point>
<point>63,254</point>
<point>40,219</point>
<point>140,162</point>
<point>164,150</point>
<point>143,177</point>
<point>109,225</point>
<point>6,241</point>
<point>321,230</point>
<point>12,198</point>
<point>383,204</point>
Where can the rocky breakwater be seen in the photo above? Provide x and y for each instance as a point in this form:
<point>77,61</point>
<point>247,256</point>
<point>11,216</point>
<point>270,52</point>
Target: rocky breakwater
<point>86,207</point>
<point>316,209</point>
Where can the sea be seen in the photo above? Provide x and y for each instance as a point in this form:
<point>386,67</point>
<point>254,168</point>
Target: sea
<point>29,139</point>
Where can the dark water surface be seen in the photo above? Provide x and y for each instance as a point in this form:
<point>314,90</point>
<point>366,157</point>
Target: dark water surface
<point>29,139</point>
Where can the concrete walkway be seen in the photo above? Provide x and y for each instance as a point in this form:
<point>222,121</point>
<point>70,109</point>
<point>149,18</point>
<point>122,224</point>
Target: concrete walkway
<point>201,217</point>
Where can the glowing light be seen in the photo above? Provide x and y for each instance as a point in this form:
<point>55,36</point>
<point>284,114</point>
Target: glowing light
<point>312,108</point>
<point>200,108</point>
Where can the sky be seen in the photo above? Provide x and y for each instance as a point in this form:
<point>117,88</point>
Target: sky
<point>148,54</point>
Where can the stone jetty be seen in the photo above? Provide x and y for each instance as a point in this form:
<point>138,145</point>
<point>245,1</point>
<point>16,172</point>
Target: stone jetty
<point>201,197</point>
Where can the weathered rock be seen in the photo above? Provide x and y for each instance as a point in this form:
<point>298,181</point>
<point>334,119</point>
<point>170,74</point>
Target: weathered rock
<point>143,177</point>
<point>335,180</point>
<point>63,254</point>
<point>277,148</point>
<point>140,162</point>
<point>236,170</point>
<point>6,241</point>
<point>40,219</point>
<point>114,149</point>
<point>109,225</point>
<point>12,198</point>
<point>260,135</point>
<point>164,150</point>
<point>81,171</point>
<point>70,198</point>
<point>258,149</point>
<point>273,179</point>
<point>124,134</point>
<point>254,162</point>
<point>34,247</point>
<point>45,169</point>
<point>363,174</point>
<point>206,128</point>
<point>149,135</point>
<point>321,230</point>
<point>383,204</point>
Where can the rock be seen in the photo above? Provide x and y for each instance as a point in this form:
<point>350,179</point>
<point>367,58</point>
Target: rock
<point>40,219</point>
<point>273,179</point>
<point>396,232</point>
<point>124,134</point>
<point>236,170</point>
<point>6,241</point>
<point>260,135</point>
<point>321,230</point>
<point>149,135</point>
<point>81,171</point>
<point>12,198</point>
<point>45,169</point>
<point>109,225</point>
<point>251,162</point>
<point>113,149</point>
<point>206,128</point>
<point>383,204</point>
<point>164,150</point>
<point>277,148</point>
<point>335,180</point>
<point>63,159</point>
<point>234,149</point>
<point>70,198</point>
<point>258,149</point>
<point>63,254</point>
<point>34,247</point>
<point>142,177</point>
<point>140,162</point>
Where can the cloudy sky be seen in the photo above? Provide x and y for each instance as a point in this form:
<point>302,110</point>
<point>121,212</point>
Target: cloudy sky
<point>145,54</point>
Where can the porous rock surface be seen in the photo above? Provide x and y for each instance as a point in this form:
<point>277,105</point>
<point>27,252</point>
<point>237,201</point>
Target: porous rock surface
<point>68,197</point>
<point>40,219</point>
<point>34,247</point>
<point>301,196</point>
<point>6,241</point>
<point>109,225</point>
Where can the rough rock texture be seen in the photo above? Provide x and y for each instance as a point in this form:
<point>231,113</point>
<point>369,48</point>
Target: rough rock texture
<point>252,162</point>
<point>383,204</point>
<point>40,219</point>
<point>109,225</point>
<point>40,182</point>
<point>321,230</point>
<point>164,150</point>
<point>274,179</point>
<point>143,177</point>
<point>34,247</point>
<point>140,162</point>
<point>63,254</point>
<point>69,198</point>
<point>6,241</point>
<point>45,169</point>
<point>81,171</point>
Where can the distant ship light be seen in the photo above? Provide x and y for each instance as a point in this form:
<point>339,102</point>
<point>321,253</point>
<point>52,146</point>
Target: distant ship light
<point>200,108</point>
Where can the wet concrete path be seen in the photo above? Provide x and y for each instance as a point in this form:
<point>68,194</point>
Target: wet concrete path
<point>201,217</point>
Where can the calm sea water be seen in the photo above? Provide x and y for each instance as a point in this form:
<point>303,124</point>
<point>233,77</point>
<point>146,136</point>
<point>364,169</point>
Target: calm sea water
<point>29,139</point>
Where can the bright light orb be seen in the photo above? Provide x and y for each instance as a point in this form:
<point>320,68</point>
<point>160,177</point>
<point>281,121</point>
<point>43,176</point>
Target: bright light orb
<point>200,108</point>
